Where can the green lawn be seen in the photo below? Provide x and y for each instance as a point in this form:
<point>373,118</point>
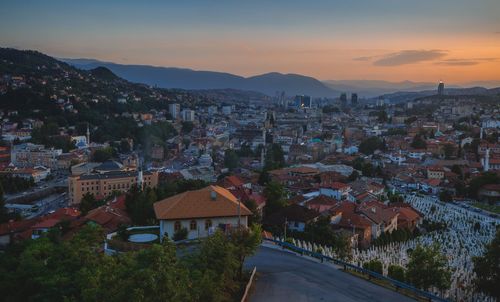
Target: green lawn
<point>487,207</point>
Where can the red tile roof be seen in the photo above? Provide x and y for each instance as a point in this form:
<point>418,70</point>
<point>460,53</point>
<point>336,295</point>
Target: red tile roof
<point>338,185</point>
<point>235,181</point>
<point>199,204</point>
<point>46,223</point>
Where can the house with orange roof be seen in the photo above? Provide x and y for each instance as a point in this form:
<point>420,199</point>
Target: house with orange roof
<point>201,212</point>
<point>232,182</point>
<point>346,217</point>
<point>383,220</point>
<point>408,217</point>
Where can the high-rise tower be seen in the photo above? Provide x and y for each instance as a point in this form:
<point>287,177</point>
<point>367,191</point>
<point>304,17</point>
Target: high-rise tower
<point>354,99</point>
<point>441,88</point>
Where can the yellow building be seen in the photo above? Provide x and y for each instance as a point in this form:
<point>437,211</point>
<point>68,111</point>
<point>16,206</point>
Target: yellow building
<point>101,185</point>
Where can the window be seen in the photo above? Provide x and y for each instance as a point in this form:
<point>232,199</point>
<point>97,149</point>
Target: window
<point>192,225</point>
<point>208,224</point>
<point>177,226</point>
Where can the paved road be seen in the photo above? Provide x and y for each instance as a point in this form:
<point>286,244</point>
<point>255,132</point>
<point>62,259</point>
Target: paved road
<point>286,277</point>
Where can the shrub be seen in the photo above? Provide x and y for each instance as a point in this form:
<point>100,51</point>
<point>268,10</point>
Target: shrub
<point>181,234</point>
<point>396,272</point>
<point>374,266</point>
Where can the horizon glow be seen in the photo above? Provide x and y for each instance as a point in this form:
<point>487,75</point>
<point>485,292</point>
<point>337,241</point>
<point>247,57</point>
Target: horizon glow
<point>456,41</point>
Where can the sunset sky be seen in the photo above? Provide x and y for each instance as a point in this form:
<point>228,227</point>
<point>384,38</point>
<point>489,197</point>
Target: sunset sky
<point>451,40</point>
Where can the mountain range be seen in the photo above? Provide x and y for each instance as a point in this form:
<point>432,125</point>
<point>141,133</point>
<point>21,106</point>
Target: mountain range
<point>170,77</point>
<point>268,83</point>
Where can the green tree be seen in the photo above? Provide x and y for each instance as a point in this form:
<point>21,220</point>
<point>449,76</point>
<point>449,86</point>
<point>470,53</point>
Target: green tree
<point>124,146</point>
<point>418,142</point>
<point>214,269</point>
<point>274,192</point>
<point>428,267</point>
<point>382,116</point>
<point>246,151</point>
<point>139,205</point>
<point>187,127</point>
<point>487,269</point>
<point>396,272</point>
<point>321,232</point>
<point>445,196</point>
<point>88,202</point>
<point>275,157</point>
<point>367,170</point>
<point>246,241</point>
<point>369,145</point>
<point>374,266</point>
<point>231,159</point>
<point>354,175</point>
<point>256,216</point>
<point>102,155</point>
<point>479,181</point>
<point>264,177</point>
<point>395,198</point>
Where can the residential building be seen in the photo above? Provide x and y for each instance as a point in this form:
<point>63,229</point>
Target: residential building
<point>187,115</point>
<point>201,212</point>
<point>30,155</point>
<point>435,173</point>
<point>337,190</point>
<point>174,110</point>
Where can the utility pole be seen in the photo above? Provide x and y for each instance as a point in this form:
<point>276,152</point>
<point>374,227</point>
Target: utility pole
<point>239,213</point>
<point>286,222</point>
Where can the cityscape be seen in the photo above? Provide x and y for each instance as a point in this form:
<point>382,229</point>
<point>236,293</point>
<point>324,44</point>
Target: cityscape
<point>283,151</point>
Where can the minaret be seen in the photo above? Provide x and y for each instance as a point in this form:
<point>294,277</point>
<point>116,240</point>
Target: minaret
<point>140,180</point>
<point>486,166</point>
<point>140,176</point>
<point>88,135</point>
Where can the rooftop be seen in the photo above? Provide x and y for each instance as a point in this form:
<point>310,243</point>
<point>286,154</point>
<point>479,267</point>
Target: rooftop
<point>211,201</point>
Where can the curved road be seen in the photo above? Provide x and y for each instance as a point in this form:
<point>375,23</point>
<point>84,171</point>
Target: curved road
<point>283,276</point>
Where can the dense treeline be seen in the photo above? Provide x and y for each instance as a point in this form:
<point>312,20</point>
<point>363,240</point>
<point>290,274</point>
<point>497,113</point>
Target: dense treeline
<point>14,184</point>
<point>48,269</point>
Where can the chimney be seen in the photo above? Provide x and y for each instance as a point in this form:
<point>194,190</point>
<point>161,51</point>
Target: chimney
<point>213,195</point>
